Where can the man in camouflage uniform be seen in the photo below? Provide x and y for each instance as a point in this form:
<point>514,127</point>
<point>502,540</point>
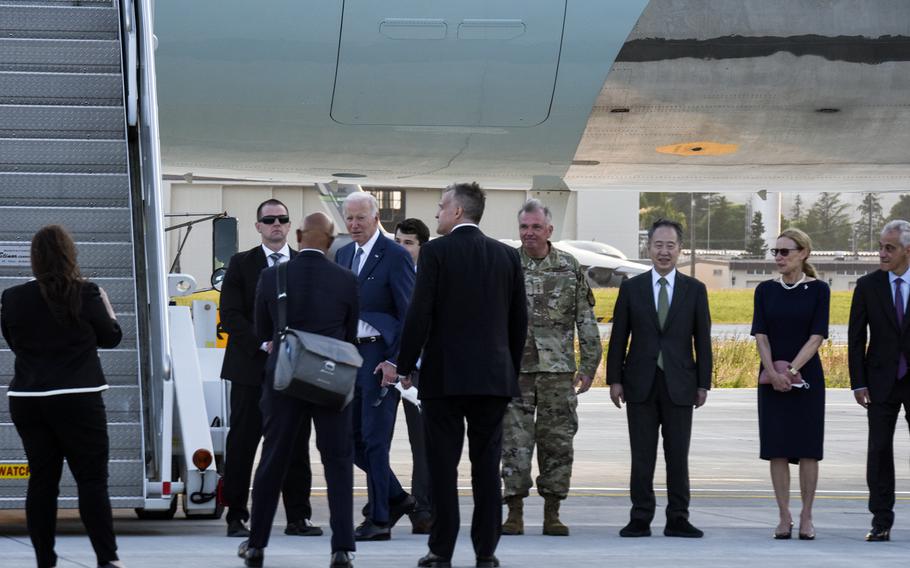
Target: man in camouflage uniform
<point>559,300</point>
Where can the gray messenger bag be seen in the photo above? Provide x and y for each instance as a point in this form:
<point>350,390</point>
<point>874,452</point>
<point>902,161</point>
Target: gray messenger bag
<point>312,367</point>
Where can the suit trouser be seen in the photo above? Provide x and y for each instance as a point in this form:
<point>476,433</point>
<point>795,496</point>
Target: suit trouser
<point>659,415</point>
<point>282,418</point>
<point>444,420</point>
<point>420,473</point>
<point>552,397</point>
<point>880,457</point>
<point>373,427</point>
<point>243,440</point>
<point>71,426</point>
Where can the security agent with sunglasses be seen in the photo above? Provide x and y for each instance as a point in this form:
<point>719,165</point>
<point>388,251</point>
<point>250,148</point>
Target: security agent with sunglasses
<point>244,364</point>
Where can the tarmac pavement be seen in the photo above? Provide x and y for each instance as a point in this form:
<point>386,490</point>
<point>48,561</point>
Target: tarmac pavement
<point>732,502</point>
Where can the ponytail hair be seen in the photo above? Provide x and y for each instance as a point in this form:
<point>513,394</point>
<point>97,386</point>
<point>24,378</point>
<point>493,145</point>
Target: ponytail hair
<point>804,242</point>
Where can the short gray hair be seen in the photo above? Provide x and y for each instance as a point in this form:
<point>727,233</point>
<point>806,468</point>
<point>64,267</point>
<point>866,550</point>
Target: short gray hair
<point>363,197</point>
<point>903,227</point>
<point>471,197</point>
<point>534,205</point>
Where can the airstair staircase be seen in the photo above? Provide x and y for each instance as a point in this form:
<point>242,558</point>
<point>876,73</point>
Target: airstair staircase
<point>65,159</point>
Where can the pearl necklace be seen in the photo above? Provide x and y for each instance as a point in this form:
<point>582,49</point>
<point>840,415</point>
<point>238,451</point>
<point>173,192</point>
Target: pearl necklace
<point>791,286</point>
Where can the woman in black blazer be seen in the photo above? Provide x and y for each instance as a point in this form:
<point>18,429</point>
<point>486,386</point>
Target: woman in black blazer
<point>54,325</point>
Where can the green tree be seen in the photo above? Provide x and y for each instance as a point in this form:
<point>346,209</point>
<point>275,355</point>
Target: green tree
<point>870,222</point>
<point>654,206</point>
<point>755,245</point>
<point>901,209</point>
<point>828,223</point>
<point>727,224</point>
<point>798,209</point>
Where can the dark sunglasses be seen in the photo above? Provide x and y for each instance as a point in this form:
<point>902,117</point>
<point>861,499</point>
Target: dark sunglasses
<point>270,219</point>
<point>784,252</point>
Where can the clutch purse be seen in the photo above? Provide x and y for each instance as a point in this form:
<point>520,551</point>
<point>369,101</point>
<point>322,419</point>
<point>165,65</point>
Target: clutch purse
<point>796,381</point>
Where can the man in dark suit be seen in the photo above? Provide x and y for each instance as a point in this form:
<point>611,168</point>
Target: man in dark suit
<point>412,234</point>
<point>878,350</point>
<point>469,319</point>
<point>244,361</point>
<point>666,313</point>
<point>385,274</point>
<point>321,298</point>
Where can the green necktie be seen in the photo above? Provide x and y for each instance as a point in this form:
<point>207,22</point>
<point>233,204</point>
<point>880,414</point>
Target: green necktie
<point>663,306</point>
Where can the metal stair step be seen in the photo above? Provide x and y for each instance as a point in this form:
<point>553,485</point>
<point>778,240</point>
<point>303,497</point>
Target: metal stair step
<point>119,366</point>
<point>57,20</point>
<point>122,403</point>
<point>85,89</point>
<point>125,440</point>
<point>125,480</point>
<point>54,155</point>
<point>62,122</point>
<point>127,323</point>
<point>96,260</point>
<point>60,55</point>
<point>85,224</point>
<point>65,190</point>
<point>121,291</point>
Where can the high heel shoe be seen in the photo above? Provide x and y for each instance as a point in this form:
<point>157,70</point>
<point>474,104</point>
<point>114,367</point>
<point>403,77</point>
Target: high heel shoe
<point>784,535</point>
<point>806,535</point>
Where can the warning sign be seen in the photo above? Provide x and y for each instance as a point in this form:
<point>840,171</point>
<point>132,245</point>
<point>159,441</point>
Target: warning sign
<point>13,471</point>
<point>14,254</point>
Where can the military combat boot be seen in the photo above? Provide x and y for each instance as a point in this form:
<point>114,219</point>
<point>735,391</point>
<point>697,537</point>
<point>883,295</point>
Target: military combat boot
<point>551,524</point>
<point>515,523</point>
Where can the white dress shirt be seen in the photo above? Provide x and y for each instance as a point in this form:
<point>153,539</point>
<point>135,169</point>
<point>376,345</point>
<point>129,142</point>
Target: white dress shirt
<point>285,253</point>
<point>655,287</point>
<point>460,225</point>
<point>363,328</point>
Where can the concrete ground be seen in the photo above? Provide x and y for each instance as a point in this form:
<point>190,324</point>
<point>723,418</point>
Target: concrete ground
<point>732,502</point>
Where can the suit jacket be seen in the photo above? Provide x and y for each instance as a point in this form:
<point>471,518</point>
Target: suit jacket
<point>53,355</point>
<point>386,282</point>
<point>244,361</point>
<point>322,298</point>
<point>873,364</point>
<point>468,315</point>
<point>688,325</point>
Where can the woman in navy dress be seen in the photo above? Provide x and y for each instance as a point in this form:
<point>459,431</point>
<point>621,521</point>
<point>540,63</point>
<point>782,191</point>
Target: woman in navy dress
<point>789,324</point>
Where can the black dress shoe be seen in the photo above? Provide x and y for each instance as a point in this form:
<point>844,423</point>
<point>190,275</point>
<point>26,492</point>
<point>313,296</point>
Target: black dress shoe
<point>252,557</point>
<point>487,562</point>
<point>237,529</point>
<point>635,529</point>
<point>302,528</point>
<point>341,559</point>
<point>404,507</point>
<point>421,523</point>
<point>682,528</point>
<point>434,561</point>
<point>368,530</point>
<point>878,535</point>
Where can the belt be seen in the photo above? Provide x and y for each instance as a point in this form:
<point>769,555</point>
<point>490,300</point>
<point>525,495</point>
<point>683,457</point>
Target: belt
<point>370,339</point>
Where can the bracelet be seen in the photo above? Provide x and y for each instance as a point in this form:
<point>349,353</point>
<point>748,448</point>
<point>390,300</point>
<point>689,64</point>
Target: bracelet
<point>792,371</point>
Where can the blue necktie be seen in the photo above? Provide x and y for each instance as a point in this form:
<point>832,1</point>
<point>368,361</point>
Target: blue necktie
<point>275,257</point>
<point>355,266</point>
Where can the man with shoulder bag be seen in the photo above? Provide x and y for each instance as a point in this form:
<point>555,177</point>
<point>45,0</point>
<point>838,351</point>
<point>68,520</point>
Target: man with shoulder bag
<point>321,298</point>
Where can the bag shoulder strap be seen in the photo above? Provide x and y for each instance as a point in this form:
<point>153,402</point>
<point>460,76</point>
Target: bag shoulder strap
<point>282,296</point>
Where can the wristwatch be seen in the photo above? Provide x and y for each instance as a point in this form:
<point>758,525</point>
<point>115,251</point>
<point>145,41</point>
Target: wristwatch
<point>792,371</point>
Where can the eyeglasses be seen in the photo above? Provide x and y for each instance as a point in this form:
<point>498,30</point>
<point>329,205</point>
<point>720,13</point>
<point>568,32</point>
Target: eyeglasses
<point>784,252</point>
<point>270,219</point>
